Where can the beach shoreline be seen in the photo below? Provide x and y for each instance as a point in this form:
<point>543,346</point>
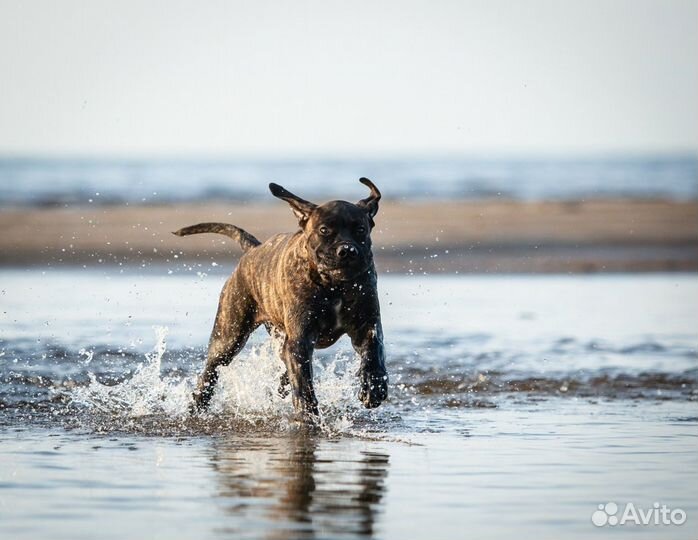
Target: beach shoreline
<point>493,236</point>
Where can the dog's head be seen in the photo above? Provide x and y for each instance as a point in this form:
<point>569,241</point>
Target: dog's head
<point>337,233</point>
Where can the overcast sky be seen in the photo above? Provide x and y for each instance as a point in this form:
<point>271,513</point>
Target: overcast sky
<point>342,78</point>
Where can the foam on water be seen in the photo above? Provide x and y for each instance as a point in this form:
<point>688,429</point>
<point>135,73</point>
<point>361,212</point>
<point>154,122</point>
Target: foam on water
<point>246,394</point>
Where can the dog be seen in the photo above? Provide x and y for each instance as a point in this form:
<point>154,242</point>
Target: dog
<point>310,287</point>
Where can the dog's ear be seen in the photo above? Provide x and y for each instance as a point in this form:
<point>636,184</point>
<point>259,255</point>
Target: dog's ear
<point>301,208</point>
<point>370,203</point>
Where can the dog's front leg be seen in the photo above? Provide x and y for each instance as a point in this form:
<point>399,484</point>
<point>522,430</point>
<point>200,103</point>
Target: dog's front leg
<point>297,354</point>
<point>367,341</point>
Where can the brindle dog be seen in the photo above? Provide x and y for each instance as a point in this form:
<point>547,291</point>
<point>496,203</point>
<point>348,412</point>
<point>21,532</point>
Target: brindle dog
<point>311,287</point>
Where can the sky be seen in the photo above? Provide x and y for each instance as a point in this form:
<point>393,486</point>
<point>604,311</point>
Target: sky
<point>326,78</point>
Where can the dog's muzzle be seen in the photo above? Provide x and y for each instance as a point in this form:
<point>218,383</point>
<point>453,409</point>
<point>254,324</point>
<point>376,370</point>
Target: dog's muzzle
<point>347,251</point>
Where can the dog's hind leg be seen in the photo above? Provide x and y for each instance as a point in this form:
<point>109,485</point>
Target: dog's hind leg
<point>235,321</point>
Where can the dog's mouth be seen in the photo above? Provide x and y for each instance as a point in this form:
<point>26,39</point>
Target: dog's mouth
<point>344,270</point>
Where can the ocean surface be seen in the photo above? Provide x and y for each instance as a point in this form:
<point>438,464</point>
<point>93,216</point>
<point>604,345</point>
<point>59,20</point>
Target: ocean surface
<point>518,405</point>
<point>31,182</point>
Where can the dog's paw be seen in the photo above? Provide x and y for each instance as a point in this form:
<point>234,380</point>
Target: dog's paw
<point>193,409</point>
<point>374,388</point>
<point>200,400</point>
<point>305,405</point>
<point>284,385</point>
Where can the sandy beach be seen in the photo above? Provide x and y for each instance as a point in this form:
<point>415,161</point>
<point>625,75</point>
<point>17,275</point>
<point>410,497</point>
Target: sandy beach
<point>453,237</point>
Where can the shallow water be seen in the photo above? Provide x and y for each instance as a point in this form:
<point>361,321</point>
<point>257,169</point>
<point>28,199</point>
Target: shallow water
<point>518,404</point>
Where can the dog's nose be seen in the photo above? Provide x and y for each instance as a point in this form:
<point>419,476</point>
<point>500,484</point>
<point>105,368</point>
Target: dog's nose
<point>347,250</point>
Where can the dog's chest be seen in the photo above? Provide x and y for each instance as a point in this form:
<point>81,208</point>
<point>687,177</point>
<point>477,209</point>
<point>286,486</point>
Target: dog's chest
<point>337,308</point>
<point>334,319</point>
<point>333,315</point>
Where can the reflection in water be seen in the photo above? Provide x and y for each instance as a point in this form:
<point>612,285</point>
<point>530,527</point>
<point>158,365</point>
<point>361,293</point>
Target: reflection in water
<point>298,486</point>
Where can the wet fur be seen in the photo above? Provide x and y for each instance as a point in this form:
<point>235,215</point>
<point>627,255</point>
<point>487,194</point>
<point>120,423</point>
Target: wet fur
<point>297,285</point>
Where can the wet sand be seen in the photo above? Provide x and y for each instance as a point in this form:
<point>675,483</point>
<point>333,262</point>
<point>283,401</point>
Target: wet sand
<point>450,236</point>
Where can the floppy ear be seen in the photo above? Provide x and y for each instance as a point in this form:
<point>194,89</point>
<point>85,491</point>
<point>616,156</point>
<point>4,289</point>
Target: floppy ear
<point>301,208</point>
<point>370,204</point>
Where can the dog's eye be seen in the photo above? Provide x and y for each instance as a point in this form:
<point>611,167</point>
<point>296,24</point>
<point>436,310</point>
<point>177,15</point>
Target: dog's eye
<point>324,231</point>
<point>361,230</point>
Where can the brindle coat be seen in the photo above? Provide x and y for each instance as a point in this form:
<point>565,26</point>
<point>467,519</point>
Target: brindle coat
<point>312,287</point>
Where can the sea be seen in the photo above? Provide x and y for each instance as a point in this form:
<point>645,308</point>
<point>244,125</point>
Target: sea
<point>26,181</point>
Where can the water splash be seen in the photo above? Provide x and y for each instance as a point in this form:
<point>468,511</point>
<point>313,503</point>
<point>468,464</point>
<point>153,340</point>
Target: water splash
<point>146,393</point>
<point>246,395</point>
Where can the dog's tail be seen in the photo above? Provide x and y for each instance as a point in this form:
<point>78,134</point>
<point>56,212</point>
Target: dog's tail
<point>246,240</point>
